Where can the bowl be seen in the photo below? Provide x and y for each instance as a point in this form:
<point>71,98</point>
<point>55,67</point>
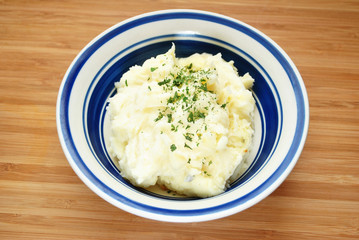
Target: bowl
<point>280,121</point>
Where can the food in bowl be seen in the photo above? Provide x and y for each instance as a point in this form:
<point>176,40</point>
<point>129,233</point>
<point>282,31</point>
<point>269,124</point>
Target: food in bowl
<point>182,123</point>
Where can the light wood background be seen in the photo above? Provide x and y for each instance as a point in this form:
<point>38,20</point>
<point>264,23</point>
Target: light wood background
<point>42,198</point>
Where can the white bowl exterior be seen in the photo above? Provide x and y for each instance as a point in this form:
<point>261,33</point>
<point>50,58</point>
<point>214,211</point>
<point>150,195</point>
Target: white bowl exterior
<point>106,53</point>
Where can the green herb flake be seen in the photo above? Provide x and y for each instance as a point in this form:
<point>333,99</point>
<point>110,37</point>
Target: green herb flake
<point>149,88</point>
<point>190,117</point>
<point>204,87</point>
<point>224,105</point>
<point>165,81</point>
<point>169,116</point>
<point>174,128</point>
<point>160,116</point>
<point>153,69</point>
<point>185,145</point>
<point>187,137</point>
<point>199,114</point>
<point>173,147</point>
<point>126,83</point>
<point>178,81</point>
<point>189,161</point>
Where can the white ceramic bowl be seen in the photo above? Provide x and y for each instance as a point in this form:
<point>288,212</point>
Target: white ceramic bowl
<point>281,116</point>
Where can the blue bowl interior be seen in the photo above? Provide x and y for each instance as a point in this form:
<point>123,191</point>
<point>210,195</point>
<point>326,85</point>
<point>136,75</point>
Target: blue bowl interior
<point>264,95</point>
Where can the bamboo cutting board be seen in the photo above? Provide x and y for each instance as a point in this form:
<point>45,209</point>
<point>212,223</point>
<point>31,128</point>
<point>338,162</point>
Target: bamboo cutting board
<point>42,198</point>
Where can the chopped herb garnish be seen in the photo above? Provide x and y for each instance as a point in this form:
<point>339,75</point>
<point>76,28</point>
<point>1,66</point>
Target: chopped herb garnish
<point>178,81</point>
<point>185,145</point>
<point>187,137</point>
<point>169,116</point>
<point>174,128</point>
<point>190,117</point>
<point>160,116</point>
<point>224,105</point>
<point>199,114</point>
<point>167,80</point>
<point>204,87</point>
<point>149,88</point>
<point>173,147</point>
<point>189,161</point>
<point>126,83</point>
<point>188,92</point>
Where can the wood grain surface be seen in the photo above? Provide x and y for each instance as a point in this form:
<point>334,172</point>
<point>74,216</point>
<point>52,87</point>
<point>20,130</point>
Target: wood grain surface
<point>42,198</point>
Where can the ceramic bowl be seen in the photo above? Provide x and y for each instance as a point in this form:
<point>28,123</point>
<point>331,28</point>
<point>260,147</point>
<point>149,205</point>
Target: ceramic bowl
<point>281,115</point>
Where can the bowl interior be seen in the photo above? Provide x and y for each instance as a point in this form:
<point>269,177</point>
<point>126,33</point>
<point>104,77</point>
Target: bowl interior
<point>266,118</point>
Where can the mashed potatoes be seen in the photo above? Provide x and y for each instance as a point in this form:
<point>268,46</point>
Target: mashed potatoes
<point>183,123</point>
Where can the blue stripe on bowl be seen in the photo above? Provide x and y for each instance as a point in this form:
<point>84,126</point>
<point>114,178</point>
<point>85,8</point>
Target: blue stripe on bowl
<point>299,91</point>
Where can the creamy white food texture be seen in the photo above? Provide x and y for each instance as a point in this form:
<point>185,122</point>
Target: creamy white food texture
<point>183,123</point>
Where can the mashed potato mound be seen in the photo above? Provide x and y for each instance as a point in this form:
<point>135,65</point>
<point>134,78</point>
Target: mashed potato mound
<point>182,123</point>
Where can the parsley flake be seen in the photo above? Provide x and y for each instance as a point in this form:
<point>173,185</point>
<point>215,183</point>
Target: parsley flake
<point>224,105</point>
<point>160,116</point>
<point>185,145</point>
<point>169,116</point>
<point>187,137</point>
<point>173,147</point>
<point>167,80</point>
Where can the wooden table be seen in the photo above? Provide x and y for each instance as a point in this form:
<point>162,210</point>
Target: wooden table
<point>42,198</point>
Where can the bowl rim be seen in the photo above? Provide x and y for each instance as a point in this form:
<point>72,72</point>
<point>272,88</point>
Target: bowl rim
<point>188,218</point>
